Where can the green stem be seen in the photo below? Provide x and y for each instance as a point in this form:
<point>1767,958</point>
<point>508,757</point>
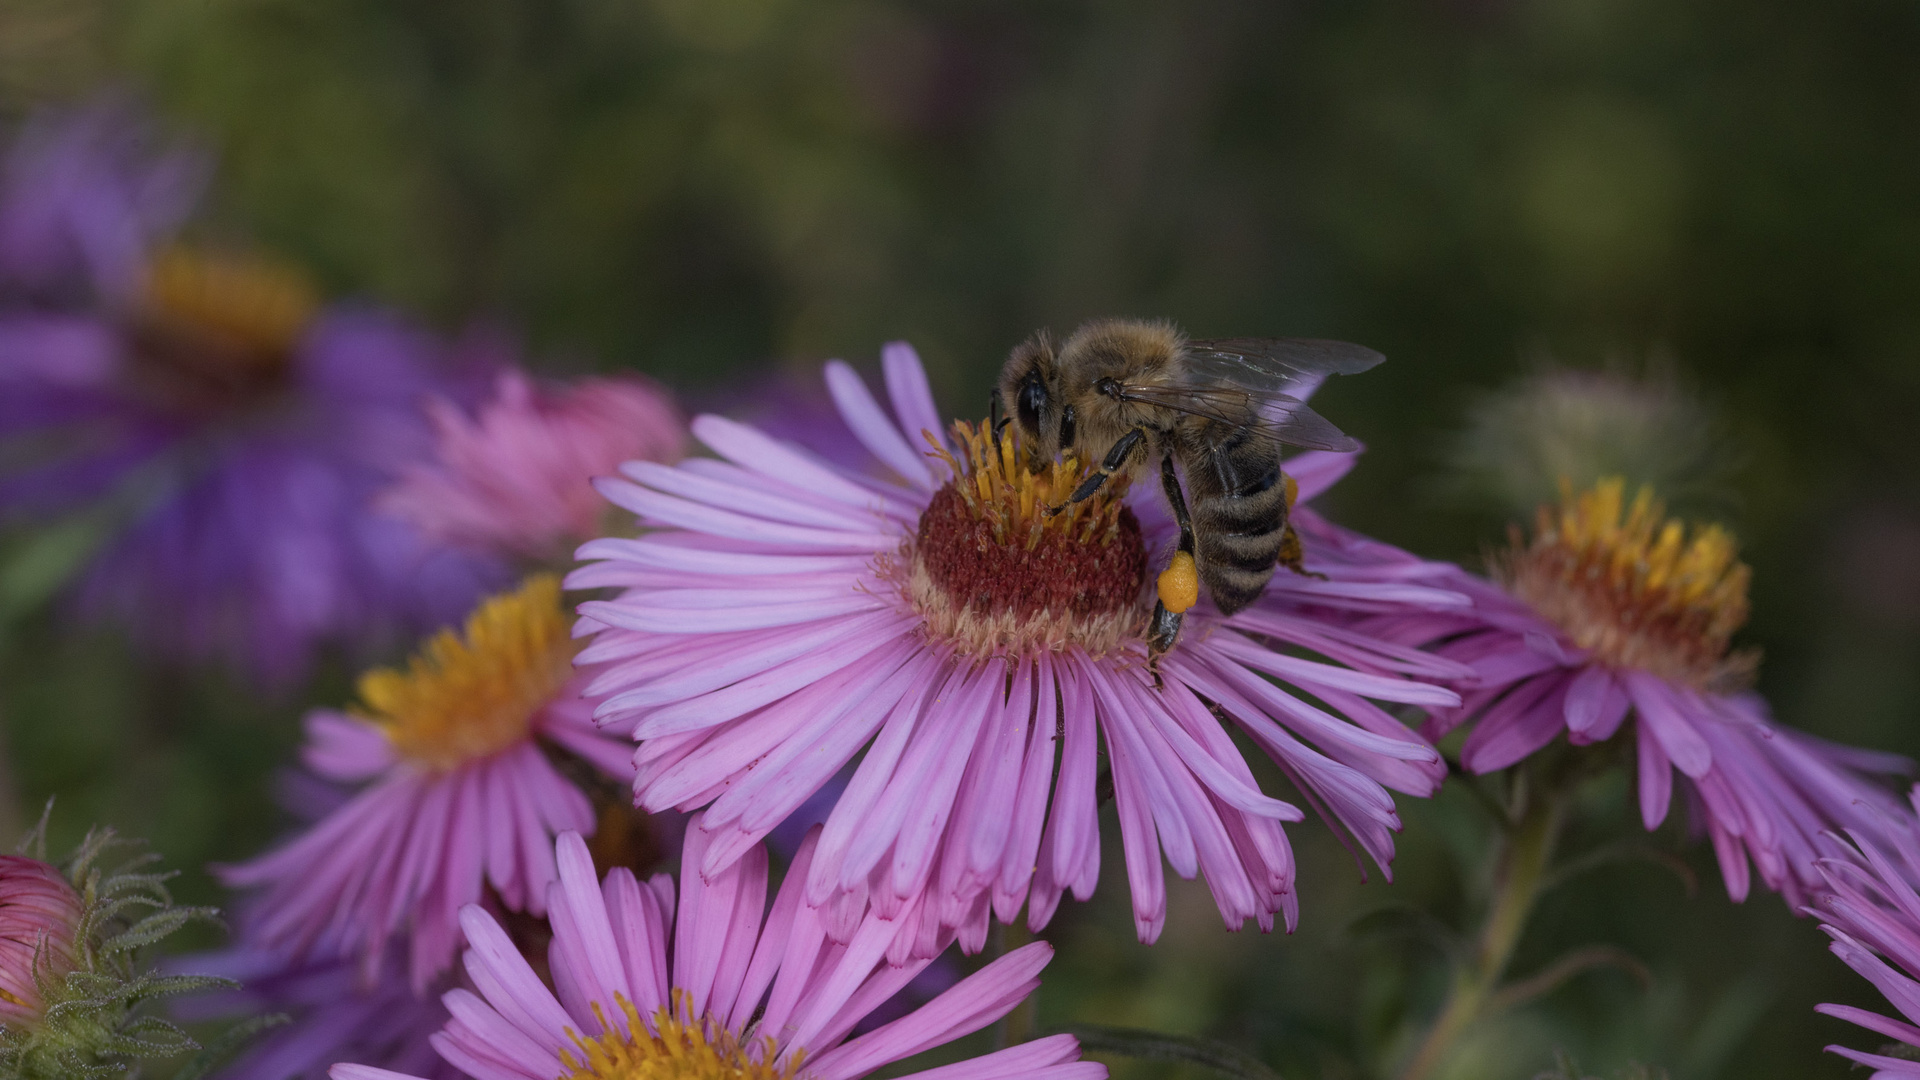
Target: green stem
<point>1526,848</point>
<point>1019,1025</point>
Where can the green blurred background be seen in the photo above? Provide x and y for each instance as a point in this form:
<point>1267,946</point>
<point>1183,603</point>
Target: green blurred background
<point>709,190</point>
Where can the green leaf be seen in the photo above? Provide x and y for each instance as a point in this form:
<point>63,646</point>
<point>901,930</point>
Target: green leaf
<point>36,563</point>
<point>1160,1046</point>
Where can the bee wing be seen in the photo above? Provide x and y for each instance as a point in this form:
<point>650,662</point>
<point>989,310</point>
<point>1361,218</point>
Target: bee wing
<point>1281,417</point>
<point>1292,366</point>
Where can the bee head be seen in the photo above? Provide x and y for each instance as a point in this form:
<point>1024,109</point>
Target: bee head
<point>1030,393</point>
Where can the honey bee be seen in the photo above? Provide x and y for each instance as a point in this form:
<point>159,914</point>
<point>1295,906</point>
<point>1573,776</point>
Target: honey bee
<point>1130,393</point>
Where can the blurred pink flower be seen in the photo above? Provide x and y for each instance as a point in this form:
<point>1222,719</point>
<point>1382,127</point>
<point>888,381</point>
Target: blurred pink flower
<point>459,793</point>
<point>784,613</point>
<point>39,915</point>
<point>727,989</point>
<point>516,478</point>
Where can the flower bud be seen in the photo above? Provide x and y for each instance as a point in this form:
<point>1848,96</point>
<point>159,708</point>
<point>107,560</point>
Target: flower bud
<point>1564,426</point>
<point>39,915</point>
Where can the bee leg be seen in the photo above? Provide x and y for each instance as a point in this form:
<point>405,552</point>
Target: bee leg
<point>1292,556</point>
<point>996,414</point>
<point>1115,459</point>
<point>1164,630</point>
<point>1177,499</point>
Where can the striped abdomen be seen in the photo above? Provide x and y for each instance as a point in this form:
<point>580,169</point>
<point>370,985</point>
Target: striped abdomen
<point>1239,507</point>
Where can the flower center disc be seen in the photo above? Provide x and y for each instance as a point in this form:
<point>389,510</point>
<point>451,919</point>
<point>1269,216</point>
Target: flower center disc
<point>218,329</point>
<point>1627,583</point>
<point>683,1049</point>
<point>993,572</point>
<point>462,699</point>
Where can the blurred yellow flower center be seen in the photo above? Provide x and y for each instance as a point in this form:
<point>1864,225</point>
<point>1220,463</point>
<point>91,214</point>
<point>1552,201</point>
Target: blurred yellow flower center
<point>465,698</point>
<point>257,303</point>
<point>682,1049</point>
<point>993,572</point>
<point>222,322</point>
<point>1630,584</point>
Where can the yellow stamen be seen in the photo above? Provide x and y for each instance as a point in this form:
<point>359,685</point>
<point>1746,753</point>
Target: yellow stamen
<point>1629,584</point>
<point>997,488</point>
<point>254,307</point>
<point>459,700</point>
<point>677,1048</point>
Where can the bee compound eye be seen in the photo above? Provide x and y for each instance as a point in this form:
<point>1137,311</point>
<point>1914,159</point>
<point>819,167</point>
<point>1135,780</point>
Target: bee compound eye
<point>1033,401</point>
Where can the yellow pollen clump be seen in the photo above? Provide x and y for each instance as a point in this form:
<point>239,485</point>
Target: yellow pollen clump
<point>1179,584</point>
<point>250,310</point>
<point>1000,563</point>
<point>1630,584</point>
<point>463,699</point>
<point>678,1048</point>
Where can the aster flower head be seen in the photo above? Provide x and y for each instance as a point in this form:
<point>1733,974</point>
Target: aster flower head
<point>74,976</point>
<point>783,613</point>
<point>458,795</point>
<point>515,478</point>
<point>203,434</point>
<point>1870,906</point>
<point>714,984</point>
<point>1612,611</point>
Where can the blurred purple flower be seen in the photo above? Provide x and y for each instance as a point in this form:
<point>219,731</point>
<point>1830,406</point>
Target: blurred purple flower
<point>217,436</point>
<point>333,1015</point>
<point>85,194</point>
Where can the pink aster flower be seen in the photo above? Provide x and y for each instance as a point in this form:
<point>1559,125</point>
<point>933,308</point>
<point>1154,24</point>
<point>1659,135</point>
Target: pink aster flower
<point>1871,909</point>
<point>784,613</point>
<point>728,988</point>
<point>39,916</point>
<point>458,794</point>
<point>1611,612</point>
<point>516,477</point>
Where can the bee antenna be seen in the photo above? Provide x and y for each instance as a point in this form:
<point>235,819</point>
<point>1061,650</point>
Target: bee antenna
<point>996,413</point>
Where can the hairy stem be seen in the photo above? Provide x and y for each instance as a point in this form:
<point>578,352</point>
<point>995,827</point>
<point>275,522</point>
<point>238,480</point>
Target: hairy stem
<point>1526,846</point>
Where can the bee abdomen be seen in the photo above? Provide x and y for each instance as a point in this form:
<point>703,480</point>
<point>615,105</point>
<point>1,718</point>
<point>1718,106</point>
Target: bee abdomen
<point>1239,515</point>
<point>1239,541</point>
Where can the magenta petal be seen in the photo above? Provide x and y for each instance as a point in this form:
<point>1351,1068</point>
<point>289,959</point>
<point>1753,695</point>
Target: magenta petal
<point>1656,779</point>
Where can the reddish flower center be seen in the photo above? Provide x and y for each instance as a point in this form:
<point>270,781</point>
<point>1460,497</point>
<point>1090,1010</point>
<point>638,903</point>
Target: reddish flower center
<point>994,572</point>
